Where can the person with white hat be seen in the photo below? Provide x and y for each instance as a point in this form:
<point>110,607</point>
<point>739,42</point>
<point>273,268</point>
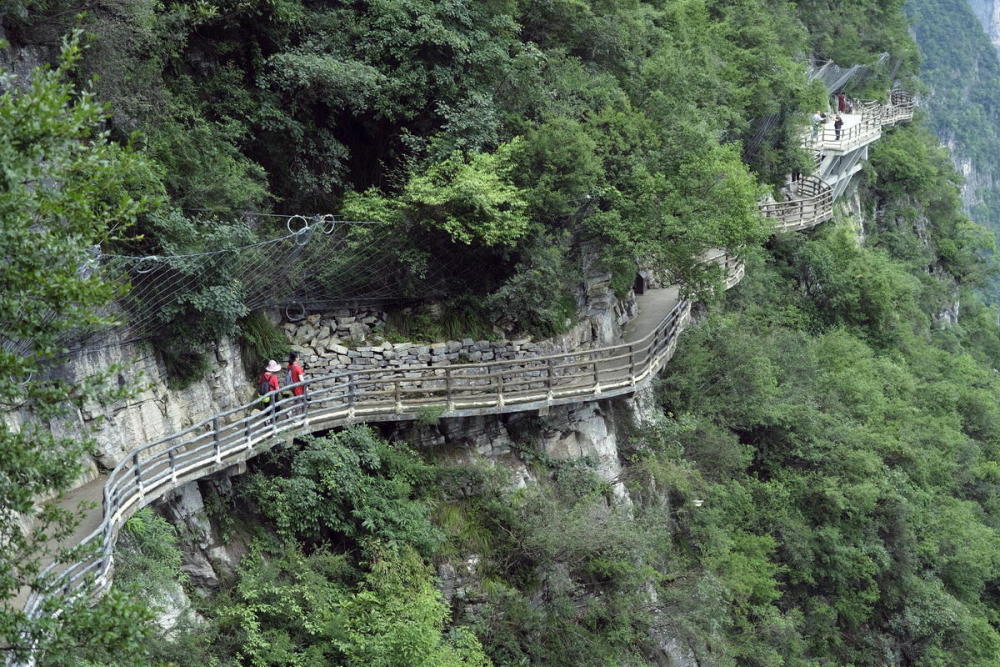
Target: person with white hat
<point>268,382</point>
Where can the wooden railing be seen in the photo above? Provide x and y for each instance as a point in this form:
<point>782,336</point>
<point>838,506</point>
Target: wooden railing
<point>865,131</point>
<point>899,109</point>
<point>814,205</point>
<point>733,267</point>
<point>347,397</point>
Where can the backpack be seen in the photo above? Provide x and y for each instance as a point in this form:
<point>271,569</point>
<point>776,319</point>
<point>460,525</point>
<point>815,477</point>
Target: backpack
<point>264,388</point>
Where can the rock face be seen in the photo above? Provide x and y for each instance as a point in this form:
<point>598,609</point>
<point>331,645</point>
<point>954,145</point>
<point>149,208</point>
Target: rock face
<point>209,556</point>
<point>976,183</point>
<point>18,60</point>
<point>586,430</point>
<point>673,652</point>
<point>155,410</point>
<point>591,431</point>
<point>988,13</point>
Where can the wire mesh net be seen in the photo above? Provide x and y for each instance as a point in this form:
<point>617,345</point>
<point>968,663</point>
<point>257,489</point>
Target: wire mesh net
<point>835,77</point>
<point>310,262</point>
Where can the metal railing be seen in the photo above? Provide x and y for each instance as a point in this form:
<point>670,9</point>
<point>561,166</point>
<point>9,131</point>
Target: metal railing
<point>814,205</point>
<point>385,394</point>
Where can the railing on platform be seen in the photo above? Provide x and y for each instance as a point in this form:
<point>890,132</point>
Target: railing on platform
<point>874,116</point>
<point>813,206</point>
<point>899,109</point>
<point>733,267</point>
<point>385,394</point>
<point>867,130</point>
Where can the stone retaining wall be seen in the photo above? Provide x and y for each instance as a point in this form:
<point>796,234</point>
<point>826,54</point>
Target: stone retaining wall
<point>353,340</point>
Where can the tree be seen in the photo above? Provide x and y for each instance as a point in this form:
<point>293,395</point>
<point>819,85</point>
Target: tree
<point>64,189</point>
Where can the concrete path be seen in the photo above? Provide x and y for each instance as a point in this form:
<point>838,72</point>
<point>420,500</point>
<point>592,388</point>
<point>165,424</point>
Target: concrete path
<point>653,306</point>
<point>90,494</point>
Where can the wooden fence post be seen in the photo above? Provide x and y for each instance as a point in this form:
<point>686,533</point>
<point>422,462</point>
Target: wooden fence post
<point>550,377</point>
<point>631,357</point>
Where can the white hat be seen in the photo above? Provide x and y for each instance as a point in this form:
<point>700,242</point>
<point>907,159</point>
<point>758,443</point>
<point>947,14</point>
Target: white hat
<point>272,366</point>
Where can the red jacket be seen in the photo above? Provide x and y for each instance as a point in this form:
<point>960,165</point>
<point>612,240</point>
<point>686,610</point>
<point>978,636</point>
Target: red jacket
<point>272,380</point>
<point>295,373</point>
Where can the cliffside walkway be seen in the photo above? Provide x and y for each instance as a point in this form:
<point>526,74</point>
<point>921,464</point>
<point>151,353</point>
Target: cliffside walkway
<point>812,205</point>
<point>399,394</point>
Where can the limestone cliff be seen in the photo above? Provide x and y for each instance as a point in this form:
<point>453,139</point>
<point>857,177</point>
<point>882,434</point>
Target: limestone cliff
<point>988,13</point>
<point>155,410</point>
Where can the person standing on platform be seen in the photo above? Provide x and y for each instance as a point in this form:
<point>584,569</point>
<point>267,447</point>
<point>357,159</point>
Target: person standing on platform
<point>817,123</point>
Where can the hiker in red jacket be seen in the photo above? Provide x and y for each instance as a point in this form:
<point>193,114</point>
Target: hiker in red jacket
<point>268,385</point>
<point>269,380</point>
<point>292,376</point>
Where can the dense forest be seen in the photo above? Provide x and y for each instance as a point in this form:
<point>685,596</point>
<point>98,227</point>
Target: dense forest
<point>961,78</point>
<point>821,483</point>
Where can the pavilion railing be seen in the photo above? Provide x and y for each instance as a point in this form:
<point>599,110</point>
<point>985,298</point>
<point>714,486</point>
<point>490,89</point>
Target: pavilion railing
<point>813,206</point>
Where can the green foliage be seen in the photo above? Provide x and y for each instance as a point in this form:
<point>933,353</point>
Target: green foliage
<point>469,197</point>
<point>397,619</point>
<point>430,416</point>
<point>64,189</point>
<point>211,298</point>
<point>962,72</point>
<point>849,284</point>
<point>828,449</point>
<point>289,608</point>
<point>260,341</point>
<point>453,320</point>
<point>824,485</point>
<point>147,556</point>
<point>537,297</point>
<point>340,580</point>
<point>856,31</point>
<point>483,130</point>
<point>915,190</point>
<point>561,573</point>
<point>350,484</point>
<point>202,166</point>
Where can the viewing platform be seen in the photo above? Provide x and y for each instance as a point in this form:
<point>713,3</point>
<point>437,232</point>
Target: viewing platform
<point>812,204</point>
<point>859,130</point>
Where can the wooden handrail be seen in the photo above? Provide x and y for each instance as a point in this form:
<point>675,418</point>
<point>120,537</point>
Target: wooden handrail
<point>814,207</point>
